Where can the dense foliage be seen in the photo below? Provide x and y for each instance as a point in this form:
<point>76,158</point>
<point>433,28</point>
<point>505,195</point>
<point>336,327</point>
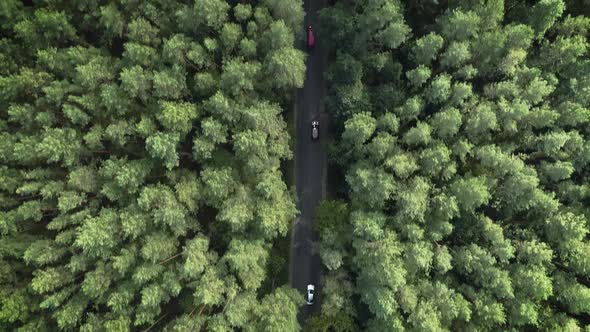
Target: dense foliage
<point>140,146</point>
<point>464,134</point>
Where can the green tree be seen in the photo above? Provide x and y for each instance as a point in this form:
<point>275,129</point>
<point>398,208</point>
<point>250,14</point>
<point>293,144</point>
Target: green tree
<point>286,67</point>
<point>446,123</point>
<point>370,186</point>
<point>419,75</point>
<point>291,13</point>
<point>456,55</point>
<point>213,13</point>
<point>544,14</point>
<point>440,89</point>
<point>278,311</point>
<point>426,48</point>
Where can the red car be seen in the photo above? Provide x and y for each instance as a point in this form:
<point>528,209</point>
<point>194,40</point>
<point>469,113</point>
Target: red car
<point>310,38</point>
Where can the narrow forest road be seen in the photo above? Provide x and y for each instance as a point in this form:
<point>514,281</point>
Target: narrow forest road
<point>310,167</point>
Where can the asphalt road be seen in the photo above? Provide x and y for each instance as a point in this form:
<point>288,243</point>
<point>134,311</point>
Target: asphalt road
<point>310,167</point>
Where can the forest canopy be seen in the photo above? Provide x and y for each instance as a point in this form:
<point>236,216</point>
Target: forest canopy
<point>462,140</point>
<point>140,152</point>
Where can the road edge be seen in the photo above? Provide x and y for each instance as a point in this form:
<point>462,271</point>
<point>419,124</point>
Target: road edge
<point>294,176</point>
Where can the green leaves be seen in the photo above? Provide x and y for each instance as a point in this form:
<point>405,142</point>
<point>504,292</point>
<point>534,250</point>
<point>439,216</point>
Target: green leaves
<point>238,77</point>
<point>440,89</point>
<point>278,311</point>
<point>218,183</point>
<point>83,179</point>
<point>230,36</point>
<point>461,142</point>
<point>544,14</point>
<point>95,72</point>
<point>211,290</point>
<point>157,247</point>
<point>286,67</point>
<point>140,54</point>
<point>383,21</point>
<point>97,282</point>
<point>69,315</point>
<point>177,116</point>
<point>163,146</point>
<point>481,121</point>
<point>426,48</point>
<point>213,13</point>
<point>478,262</point>
<point>242,12</point>
<point>566,227</point>
<point>359,129</point>
<point>59,145</point>
<point>471,192</point>
<point>370,186</point>
<point>278,36</point>
<point>142,31</point>
<point>248,260</point>
<point>112,20</point>
<point>170,83</point>
<point>394,35</point>
<point>43,252</point>
<point>402,165</point>
<point>45,28</point>
<point>413,199</point>
<point>291,13</point>
<point>195,255</point>
<point>275,207</point>
<point>534,282</point>
<point>98,236</point>
<point>418,135</point>
<point>136,82</point>
<point>459,25</point>
<point>238,210</point>
<point>70,200</point>
<point>50,279</point>
<point>419,75</point>
<point>124,175</point>
<point>368,226</point>
<point>164,208</point>
<point>572,294</point>
<point>436,160</point>
<point>14,307</point>
<point>250,143</point>
<point>446,123</point>
<point>456,55</point>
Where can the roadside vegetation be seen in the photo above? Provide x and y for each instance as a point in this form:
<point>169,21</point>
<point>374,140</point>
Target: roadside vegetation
<point>462,133</point>
<point>140,153</point>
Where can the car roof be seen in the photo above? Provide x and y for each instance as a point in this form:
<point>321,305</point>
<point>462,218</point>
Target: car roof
<point>310,287</point>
